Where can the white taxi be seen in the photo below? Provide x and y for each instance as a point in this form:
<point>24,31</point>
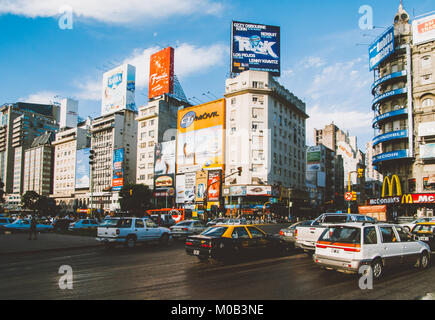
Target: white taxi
<point>346,248</point>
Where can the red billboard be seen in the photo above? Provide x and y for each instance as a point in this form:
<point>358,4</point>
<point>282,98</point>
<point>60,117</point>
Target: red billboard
<point>214,184</point>
<point>161,73</point>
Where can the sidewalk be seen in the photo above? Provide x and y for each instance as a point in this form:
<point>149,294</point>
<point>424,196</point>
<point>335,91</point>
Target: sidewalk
<point>19,243</point>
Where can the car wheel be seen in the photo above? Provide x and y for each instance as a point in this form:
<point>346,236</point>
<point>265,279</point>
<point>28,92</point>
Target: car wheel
<point>407,229</point>
<point>130,242</point>
<point>164,239</point>
<point>377,268</point>
<point>423,261</point>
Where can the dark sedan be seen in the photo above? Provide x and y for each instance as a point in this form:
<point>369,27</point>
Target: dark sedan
<point>425,231</point>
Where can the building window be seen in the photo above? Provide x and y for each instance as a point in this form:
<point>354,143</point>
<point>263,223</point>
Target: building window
<point>427,103</point>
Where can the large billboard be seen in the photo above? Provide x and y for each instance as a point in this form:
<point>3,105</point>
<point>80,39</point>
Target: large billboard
<point>118,89</point>
<point>255,47</point>
<point>164,165</point>
<point>214,185</point>
<point>161,73</point>
<point>201,185</point>
<point>118,171</point>
<point>381,48</point>
<point>423,30</point>
<point>200,137</point>
<point>82,169</point>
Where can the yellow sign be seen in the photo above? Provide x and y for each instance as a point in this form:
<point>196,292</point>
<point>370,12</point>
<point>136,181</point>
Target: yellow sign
<point>407,198</point>
<point>390,183</point>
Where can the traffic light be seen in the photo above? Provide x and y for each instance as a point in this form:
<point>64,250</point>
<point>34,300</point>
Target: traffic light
<point>131,192</point>
<point>353,196</point>
<point>240,171</point>
<point>360,173</point>
<point>91,156</point>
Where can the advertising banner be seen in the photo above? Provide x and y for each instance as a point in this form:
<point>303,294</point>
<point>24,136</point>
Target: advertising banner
<point>189,187</point>
<point>214,183</point>
<point>258,190</point>
<point>82,169</point>
<point>382,48</point>
<point>390,114</point>
<point>377,212</point>
<point>164,165</point>
<point>313,167</point>
<point>423,30</point>
<point>180,188</point>
<point>238,191</point>
<point>118,89</point>
<point>200,137</point>
<point>201,185</point>
<point>161,73</point>
<point>399,154</point>
<point>418,198</point>
<point>389,77</point>
<point>426,129</point>
<point>399,134</point>
<point>389,94</point>
<point>311,177</point>
<point>255,47</point>
<point>313,157</point>
<point>118,171</point>
<point>427,151</point>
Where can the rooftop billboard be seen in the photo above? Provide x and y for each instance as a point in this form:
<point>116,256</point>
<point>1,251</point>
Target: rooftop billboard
<point>423,30</point>
<point>200,137</point>
<point>118,89</point>
<point>255,47</point>
<point>82,169</point>
<point>161,73</point>
<point>381,48</point>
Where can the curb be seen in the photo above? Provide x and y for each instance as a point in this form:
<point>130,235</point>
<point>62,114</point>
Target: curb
<point>51,250</point>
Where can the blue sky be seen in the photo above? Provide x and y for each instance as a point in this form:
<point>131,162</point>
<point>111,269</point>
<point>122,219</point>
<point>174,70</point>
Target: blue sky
<point>324,58</point>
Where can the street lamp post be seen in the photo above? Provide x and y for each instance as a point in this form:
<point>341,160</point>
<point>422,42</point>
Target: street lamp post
<point>91,180</point>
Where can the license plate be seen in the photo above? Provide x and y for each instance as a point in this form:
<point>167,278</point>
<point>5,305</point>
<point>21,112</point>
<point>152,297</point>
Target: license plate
<point>196,252</point>
<point>424,238</point>
<point>335,250</point>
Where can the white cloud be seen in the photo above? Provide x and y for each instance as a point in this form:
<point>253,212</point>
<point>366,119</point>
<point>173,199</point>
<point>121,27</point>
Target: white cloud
<point>43,97</point>
<point>112,11</point>
<point>312,62</point>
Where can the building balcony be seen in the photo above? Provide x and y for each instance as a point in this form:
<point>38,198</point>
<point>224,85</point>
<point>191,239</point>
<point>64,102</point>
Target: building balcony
<point>394,135</point>
<point>388,78</point>
<point>389,116</point>
<point>388,95</point>
<point>392,155</point>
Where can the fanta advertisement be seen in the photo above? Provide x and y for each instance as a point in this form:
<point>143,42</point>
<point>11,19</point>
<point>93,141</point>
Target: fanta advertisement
<point>255,47</point>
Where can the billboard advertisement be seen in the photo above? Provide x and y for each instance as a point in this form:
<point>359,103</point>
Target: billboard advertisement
<point>118,171</point>
<point>189,187</point>
<point>164,165</point>
<point>382,48</point>
<point>180,188</point>
<point>313,157</point>
<point>119,87</point>
<point>255,47</point>
<point>259,190</point>
<point>161,73</point>
<point>423,29</point>
<point>427,151</point>
<point>82,169</point>
<point>201,185</point>
<point>200,137</point>
<point>214,183</point>
<point>426,129</point>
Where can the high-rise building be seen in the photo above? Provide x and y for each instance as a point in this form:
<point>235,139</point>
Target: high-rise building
<point>20,124</point>
<point>38,165</point>
<point>403,105</point>
<point>113,138</point>
<point>265,125</point>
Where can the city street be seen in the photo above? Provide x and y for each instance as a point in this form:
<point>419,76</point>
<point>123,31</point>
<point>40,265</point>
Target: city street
<point>156,272</point>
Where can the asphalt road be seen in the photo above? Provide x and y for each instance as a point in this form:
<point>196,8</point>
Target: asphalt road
<point>157,272</point>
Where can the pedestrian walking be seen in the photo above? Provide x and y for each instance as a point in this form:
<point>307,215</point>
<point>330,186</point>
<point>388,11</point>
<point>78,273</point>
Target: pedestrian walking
<point>32,230</point>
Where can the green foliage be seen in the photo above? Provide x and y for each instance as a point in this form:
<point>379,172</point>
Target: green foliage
<point>135,198</point>
<point>41,204</point>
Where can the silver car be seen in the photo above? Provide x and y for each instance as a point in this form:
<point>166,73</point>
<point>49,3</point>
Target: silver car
<point>288,234</point>
<point>187,228</point>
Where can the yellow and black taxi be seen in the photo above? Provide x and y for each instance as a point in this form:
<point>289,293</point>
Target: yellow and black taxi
<point>223,242</point>
<point>425,231</point>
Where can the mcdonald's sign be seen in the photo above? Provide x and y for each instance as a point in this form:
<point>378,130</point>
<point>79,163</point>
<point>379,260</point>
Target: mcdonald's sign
<point>407,198</point>
<point>390,183</point>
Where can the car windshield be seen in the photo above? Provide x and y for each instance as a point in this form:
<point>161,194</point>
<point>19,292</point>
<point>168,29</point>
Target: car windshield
<point>184,224</point>
<point>215,231</point>
<point>424,228</point>
<point>335,219</point>
<point>109,223</point>
<point>341,234</point>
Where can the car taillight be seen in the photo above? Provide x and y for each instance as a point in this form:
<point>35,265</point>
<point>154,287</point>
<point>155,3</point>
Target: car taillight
<point>281,233</point>
<point>184,229</point>
<point>118,232</point>
<point>188,243</point>
<point>296,233</point>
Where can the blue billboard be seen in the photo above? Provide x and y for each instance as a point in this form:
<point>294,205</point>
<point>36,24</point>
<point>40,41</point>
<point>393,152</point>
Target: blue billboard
<point>118,172</point>
<point>392,155</point>
<point>399,134</point>
<point>82,169</point>
<point>382,48</point>
<point>255,47</point>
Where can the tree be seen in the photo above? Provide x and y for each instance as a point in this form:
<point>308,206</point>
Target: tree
<point>135,198</point>
<point>46,206</point>
<point>29,200</point>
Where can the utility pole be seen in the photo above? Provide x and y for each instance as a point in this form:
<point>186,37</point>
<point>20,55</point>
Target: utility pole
<point>91,184</point>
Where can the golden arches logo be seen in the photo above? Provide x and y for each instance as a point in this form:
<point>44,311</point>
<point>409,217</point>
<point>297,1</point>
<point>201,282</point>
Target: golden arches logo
<point>407,198</point>
<point>390,183</point>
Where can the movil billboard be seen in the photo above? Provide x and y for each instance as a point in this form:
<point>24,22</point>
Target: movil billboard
<point>381,48</point>
<point>255,47</point>
<point>161,73</point>
<point>119,89</point>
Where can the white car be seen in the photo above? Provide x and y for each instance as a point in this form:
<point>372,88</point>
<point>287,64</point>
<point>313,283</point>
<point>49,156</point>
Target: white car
<point>409,226</point>
<point>129,231</point>
<point>349,246</point>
